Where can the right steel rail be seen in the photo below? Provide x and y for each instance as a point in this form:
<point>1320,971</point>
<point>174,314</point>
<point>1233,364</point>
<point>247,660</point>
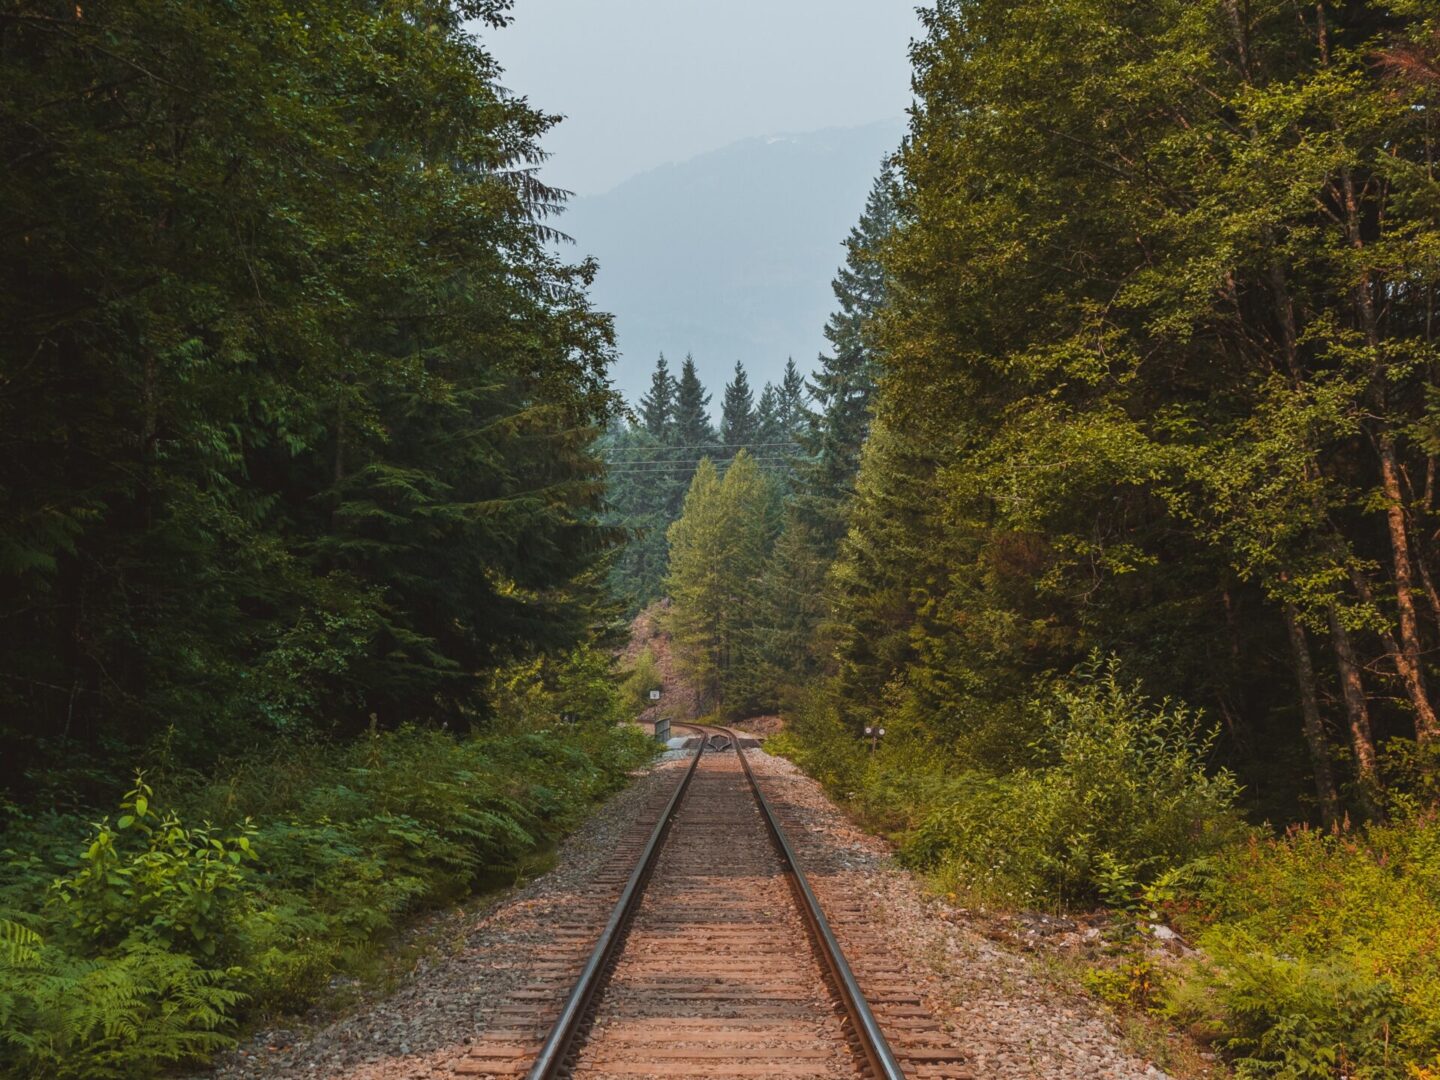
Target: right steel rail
<point>873,1043</point>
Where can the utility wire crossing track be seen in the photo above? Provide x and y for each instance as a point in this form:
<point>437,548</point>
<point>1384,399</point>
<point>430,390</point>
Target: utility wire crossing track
<point>716,960</point>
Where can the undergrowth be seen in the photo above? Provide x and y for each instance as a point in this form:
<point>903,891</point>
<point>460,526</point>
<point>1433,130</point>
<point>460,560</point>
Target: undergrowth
<point>1111,793</point>
<point>144,938</point>
<point>1319,950</point>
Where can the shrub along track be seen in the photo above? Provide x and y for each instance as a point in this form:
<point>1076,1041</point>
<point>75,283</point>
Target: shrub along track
<point>715,961</point>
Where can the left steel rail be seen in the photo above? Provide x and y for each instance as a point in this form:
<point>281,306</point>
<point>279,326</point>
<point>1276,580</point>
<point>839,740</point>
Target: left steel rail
<point>554,1055</point>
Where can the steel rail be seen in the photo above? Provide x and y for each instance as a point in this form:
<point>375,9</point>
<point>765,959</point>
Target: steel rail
<point>873,1043</point>
<point>558,1044</point>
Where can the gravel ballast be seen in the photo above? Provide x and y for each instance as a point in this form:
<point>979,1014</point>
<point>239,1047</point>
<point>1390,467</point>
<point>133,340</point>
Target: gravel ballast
<point>1011,1022</point>
<point>423,1028</point>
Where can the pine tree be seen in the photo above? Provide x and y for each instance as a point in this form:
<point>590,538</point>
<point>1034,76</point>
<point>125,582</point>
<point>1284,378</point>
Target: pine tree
<point>693,430</point>
<point>719,549</point>
<point>843,386</point>
<point>768,426</point>
<point>792,418</point>
<point>657,407</point>
<point>737,416</point>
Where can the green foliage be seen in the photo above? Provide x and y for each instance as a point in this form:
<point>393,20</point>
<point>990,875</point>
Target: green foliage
<point>299,405</point>
<point>1297,1019</point>
<point>845,384</point>
<point>1149,382</point>
<point>149,878</point>
<point>643,677</point>
<point>653,461</point>
<point>128,1015</point>
<point>816,740</point>
<point>738,426</point>
<point>1137,983</point>
<point>1156,379</point>
<point>1319,951</point>
<point>719,551</point>
<point>1114,794</point>
<point>159,934</point>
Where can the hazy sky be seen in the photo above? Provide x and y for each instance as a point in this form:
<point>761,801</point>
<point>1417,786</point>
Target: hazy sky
<point>646,82</point>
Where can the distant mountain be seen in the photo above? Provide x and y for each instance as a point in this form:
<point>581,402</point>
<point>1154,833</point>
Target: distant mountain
<point>729,255</point>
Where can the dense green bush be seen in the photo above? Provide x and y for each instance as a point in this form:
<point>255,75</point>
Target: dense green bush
<point>1113,793</point>
<point>147,942</point>
<point>1119,794</point>
<point>643,676</point>
<point>1321,952</point>
<point>817,740</point>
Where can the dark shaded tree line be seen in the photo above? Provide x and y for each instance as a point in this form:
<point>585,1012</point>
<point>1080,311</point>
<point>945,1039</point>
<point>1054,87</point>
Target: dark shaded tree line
<point>298,411</point>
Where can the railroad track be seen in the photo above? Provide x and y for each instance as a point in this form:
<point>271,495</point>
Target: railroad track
<point>715,959</point>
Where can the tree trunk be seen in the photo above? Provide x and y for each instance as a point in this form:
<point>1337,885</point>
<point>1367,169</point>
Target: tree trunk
<point>1357,712</point>
<point>1407,659</point>
<point>1428,581</point>
<point>1314,728</point>
<point>1233,713</point>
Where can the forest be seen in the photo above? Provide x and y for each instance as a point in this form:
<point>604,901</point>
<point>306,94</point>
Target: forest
<point>1118,509</point>
<point>301,550</point>
<point>1112,500</point>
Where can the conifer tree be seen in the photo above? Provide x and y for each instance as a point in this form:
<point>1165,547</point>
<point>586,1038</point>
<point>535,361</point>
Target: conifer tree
<point>1171,410</point>
<point>644,495</point>
<point>737,416</point>
<point>719,549</point>
<point>843,386</point>
<point>657,406</point>
<point>768,427</point>
<point>693,430</point>
<point>790,603</point>
<point>297,413</point>
<point>792,418</point>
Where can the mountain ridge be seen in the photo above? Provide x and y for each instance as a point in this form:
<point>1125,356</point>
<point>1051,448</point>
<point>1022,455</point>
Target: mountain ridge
<point>729,255</point>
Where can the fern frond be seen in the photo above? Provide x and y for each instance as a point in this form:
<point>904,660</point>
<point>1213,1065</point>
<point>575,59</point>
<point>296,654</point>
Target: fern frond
<point>19,945</point>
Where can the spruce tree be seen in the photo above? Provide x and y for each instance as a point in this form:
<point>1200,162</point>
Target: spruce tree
<point>791,416</point>
<point>843,386</point>
<point>657,407</point>
<point>737,416</point>
<point>768,426</point>
<point>693,430</point>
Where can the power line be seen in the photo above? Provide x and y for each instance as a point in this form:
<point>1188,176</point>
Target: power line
<point>695,463</point>
<point>720,446</point>
<point>690,461</point>
<point>658,470</point>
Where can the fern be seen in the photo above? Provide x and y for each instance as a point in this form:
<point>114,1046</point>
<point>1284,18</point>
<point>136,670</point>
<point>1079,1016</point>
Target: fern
<point>19,945</point>
<point>118,1017</point>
